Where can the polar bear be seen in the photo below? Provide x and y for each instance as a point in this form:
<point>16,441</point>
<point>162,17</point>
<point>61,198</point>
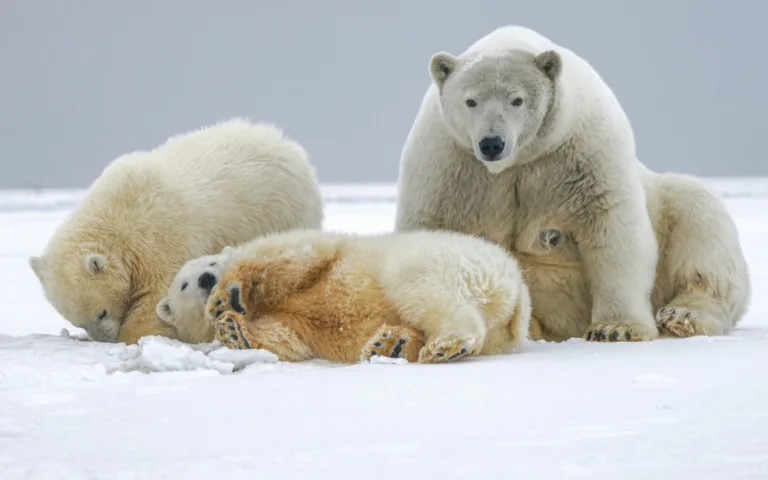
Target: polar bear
<point>183,306</point>
<point>519,140</point>
<point>107,265</point>
<point>424,296</point>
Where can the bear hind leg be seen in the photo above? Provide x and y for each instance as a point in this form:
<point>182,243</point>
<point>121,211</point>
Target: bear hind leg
<point>398,341</point>
<point>690,314</point>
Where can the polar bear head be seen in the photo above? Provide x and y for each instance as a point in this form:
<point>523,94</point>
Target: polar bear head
<point>184,306</point>
<point>496,103</point>
<point>87,285</point>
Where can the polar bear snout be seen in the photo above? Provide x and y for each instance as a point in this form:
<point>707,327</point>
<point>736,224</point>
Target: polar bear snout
<point>492,148</point>
<point>206,281</point>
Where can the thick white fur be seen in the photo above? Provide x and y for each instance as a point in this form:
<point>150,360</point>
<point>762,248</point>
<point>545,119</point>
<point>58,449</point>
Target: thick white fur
<point>151,211</point>
<point>580,176</point>
<point>442,283</point>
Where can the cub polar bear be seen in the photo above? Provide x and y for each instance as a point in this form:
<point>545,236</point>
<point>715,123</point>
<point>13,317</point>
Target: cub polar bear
<point>423,296</point>
<point>519,140</point>
<point>108,264</point>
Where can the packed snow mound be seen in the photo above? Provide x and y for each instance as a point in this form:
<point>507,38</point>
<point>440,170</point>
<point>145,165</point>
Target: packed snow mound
<point>160,354</point>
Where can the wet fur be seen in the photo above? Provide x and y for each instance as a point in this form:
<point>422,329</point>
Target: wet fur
<point>312,294</point>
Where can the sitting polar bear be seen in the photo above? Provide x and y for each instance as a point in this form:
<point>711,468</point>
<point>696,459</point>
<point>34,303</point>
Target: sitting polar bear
<point>430,297</point>
<point>519,140</point>
<point>112,259</point>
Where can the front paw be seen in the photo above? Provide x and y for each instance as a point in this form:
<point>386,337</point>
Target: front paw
<point>225,298</point>
<point>229,331</point>
<point>620,332</point>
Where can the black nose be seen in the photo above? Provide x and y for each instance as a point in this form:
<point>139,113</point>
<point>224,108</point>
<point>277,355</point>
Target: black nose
<point>491,147</point>
<point>206,281</point>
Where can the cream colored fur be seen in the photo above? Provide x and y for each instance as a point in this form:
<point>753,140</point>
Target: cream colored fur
<point>634,249</point>
<point>441,283</point>
<point>108,264</point>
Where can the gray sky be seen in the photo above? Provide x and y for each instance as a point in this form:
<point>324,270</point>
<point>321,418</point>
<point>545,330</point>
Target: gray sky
<point>83,81</point>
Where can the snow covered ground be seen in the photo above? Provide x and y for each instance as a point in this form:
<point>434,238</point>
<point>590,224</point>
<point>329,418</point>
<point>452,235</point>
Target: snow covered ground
<point>70,409</point>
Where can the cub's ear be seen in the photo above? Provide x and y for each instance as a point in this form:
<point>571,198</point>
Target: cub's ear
<point>551,63</point>
<point>96,263</point>
<point>441,66</point>
<point>228,250</point>
<point>37,264</point>
<point>163,310</point>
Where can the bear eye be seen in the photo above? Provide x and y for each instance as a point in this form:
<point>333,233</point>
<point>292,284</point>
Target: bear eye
<point>212,264</point>
<point>184,286</point>
<point>471,103</point>
<point>517,102</point>
<point>102,315</point>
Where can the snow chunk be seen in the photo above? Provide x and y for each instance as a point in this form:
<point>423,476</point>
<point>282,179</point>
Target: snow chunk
<point>160,354</point>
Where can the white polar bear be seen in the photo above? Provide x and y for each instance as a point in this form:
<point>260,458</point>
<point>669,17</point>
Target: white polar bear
<point>519,140</point>
<point>108,264</point>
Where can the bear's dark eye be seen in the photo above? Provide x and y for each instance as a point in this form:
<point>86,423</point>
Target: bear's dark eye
<point>212,264</point>
<point>102,315</point>
<point>517,102</point>
<point>471,103</point>
<point>184,286</point>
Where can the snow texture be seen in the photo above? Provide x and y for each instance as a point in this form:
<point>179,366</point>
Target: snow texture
<point>71,408</point>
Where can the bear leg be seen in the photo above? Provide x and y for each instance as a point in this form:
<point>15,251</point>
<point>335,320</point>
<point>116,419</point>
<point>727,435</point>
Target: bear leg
<point>393,342</point>
<point>445,348</point>
<point>691,314</point>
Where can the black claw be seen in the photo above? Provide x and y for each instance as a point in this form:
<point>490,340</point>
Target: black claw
<point>218,302</point>
<point>455,356</point>
<point>229,320</point>
<point>377,344</point>
<point>589,335</point>
<point>374,353</point>
<point>234,337</point>
<point>231,328</point>
<point>439,354</point>
<point>234,300</point>
<point>402,341</point>
<point>628,336</point>
<point>463,351</point>
<point>396,351</point>
<point>614,336</point>
<point>688,316</point>
<point>217,313</point>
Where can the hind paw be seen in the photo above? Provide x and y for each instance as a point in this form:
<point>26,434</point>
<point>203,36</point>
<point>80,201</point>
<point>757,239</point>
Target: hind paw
<point>391,342</point>
<point>445,349</point>
<point>684,322</point>
<point>229,331</point>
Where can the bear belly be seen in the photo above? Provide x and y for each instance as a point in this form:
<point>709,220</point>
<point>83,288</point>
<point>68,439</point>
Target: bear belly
<point>551,266</point>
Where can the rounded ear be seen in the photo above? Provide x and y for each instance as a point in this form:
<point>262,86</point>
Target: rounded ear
<point>550,63</point>
<point>228,250</point>
<point>163,310</point>
<point>37,264</point>
<point>441,66</point>
<point>95,263</point>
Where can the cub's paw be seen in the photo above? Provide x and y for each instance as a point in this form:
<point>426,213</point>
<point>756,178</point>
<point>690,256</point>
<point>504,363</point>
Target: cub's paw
<point>229,331</point>
<point>447,348</point>
<point>684,322</point>
<point>224,299</point>
<point>620,332</point>
<point>392,342</point>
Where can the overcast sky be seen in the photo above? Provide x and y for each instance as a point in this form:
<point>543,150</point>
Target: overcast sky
<point>83,81</point>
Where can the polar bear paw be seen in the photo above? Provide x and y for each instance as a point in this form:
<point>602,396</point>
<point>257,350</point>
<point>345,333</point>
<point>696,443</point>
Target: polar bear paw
<point>229,331</point>
<point>447,348</point>
<point>225,299</point>
<point>392,342</point>
<point>620,332</point>
<point>684,322</point>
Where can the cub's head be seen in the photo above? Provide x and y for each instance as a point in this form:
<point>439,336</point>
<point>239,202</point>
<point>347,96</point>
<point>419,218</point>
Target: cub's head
<point>90,289</point>
<point>496,104</point>
<point>184,306</point>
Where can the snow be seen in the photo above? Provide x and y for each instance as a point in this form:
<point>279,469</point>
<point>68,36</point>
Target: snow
<point>76,409</point>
